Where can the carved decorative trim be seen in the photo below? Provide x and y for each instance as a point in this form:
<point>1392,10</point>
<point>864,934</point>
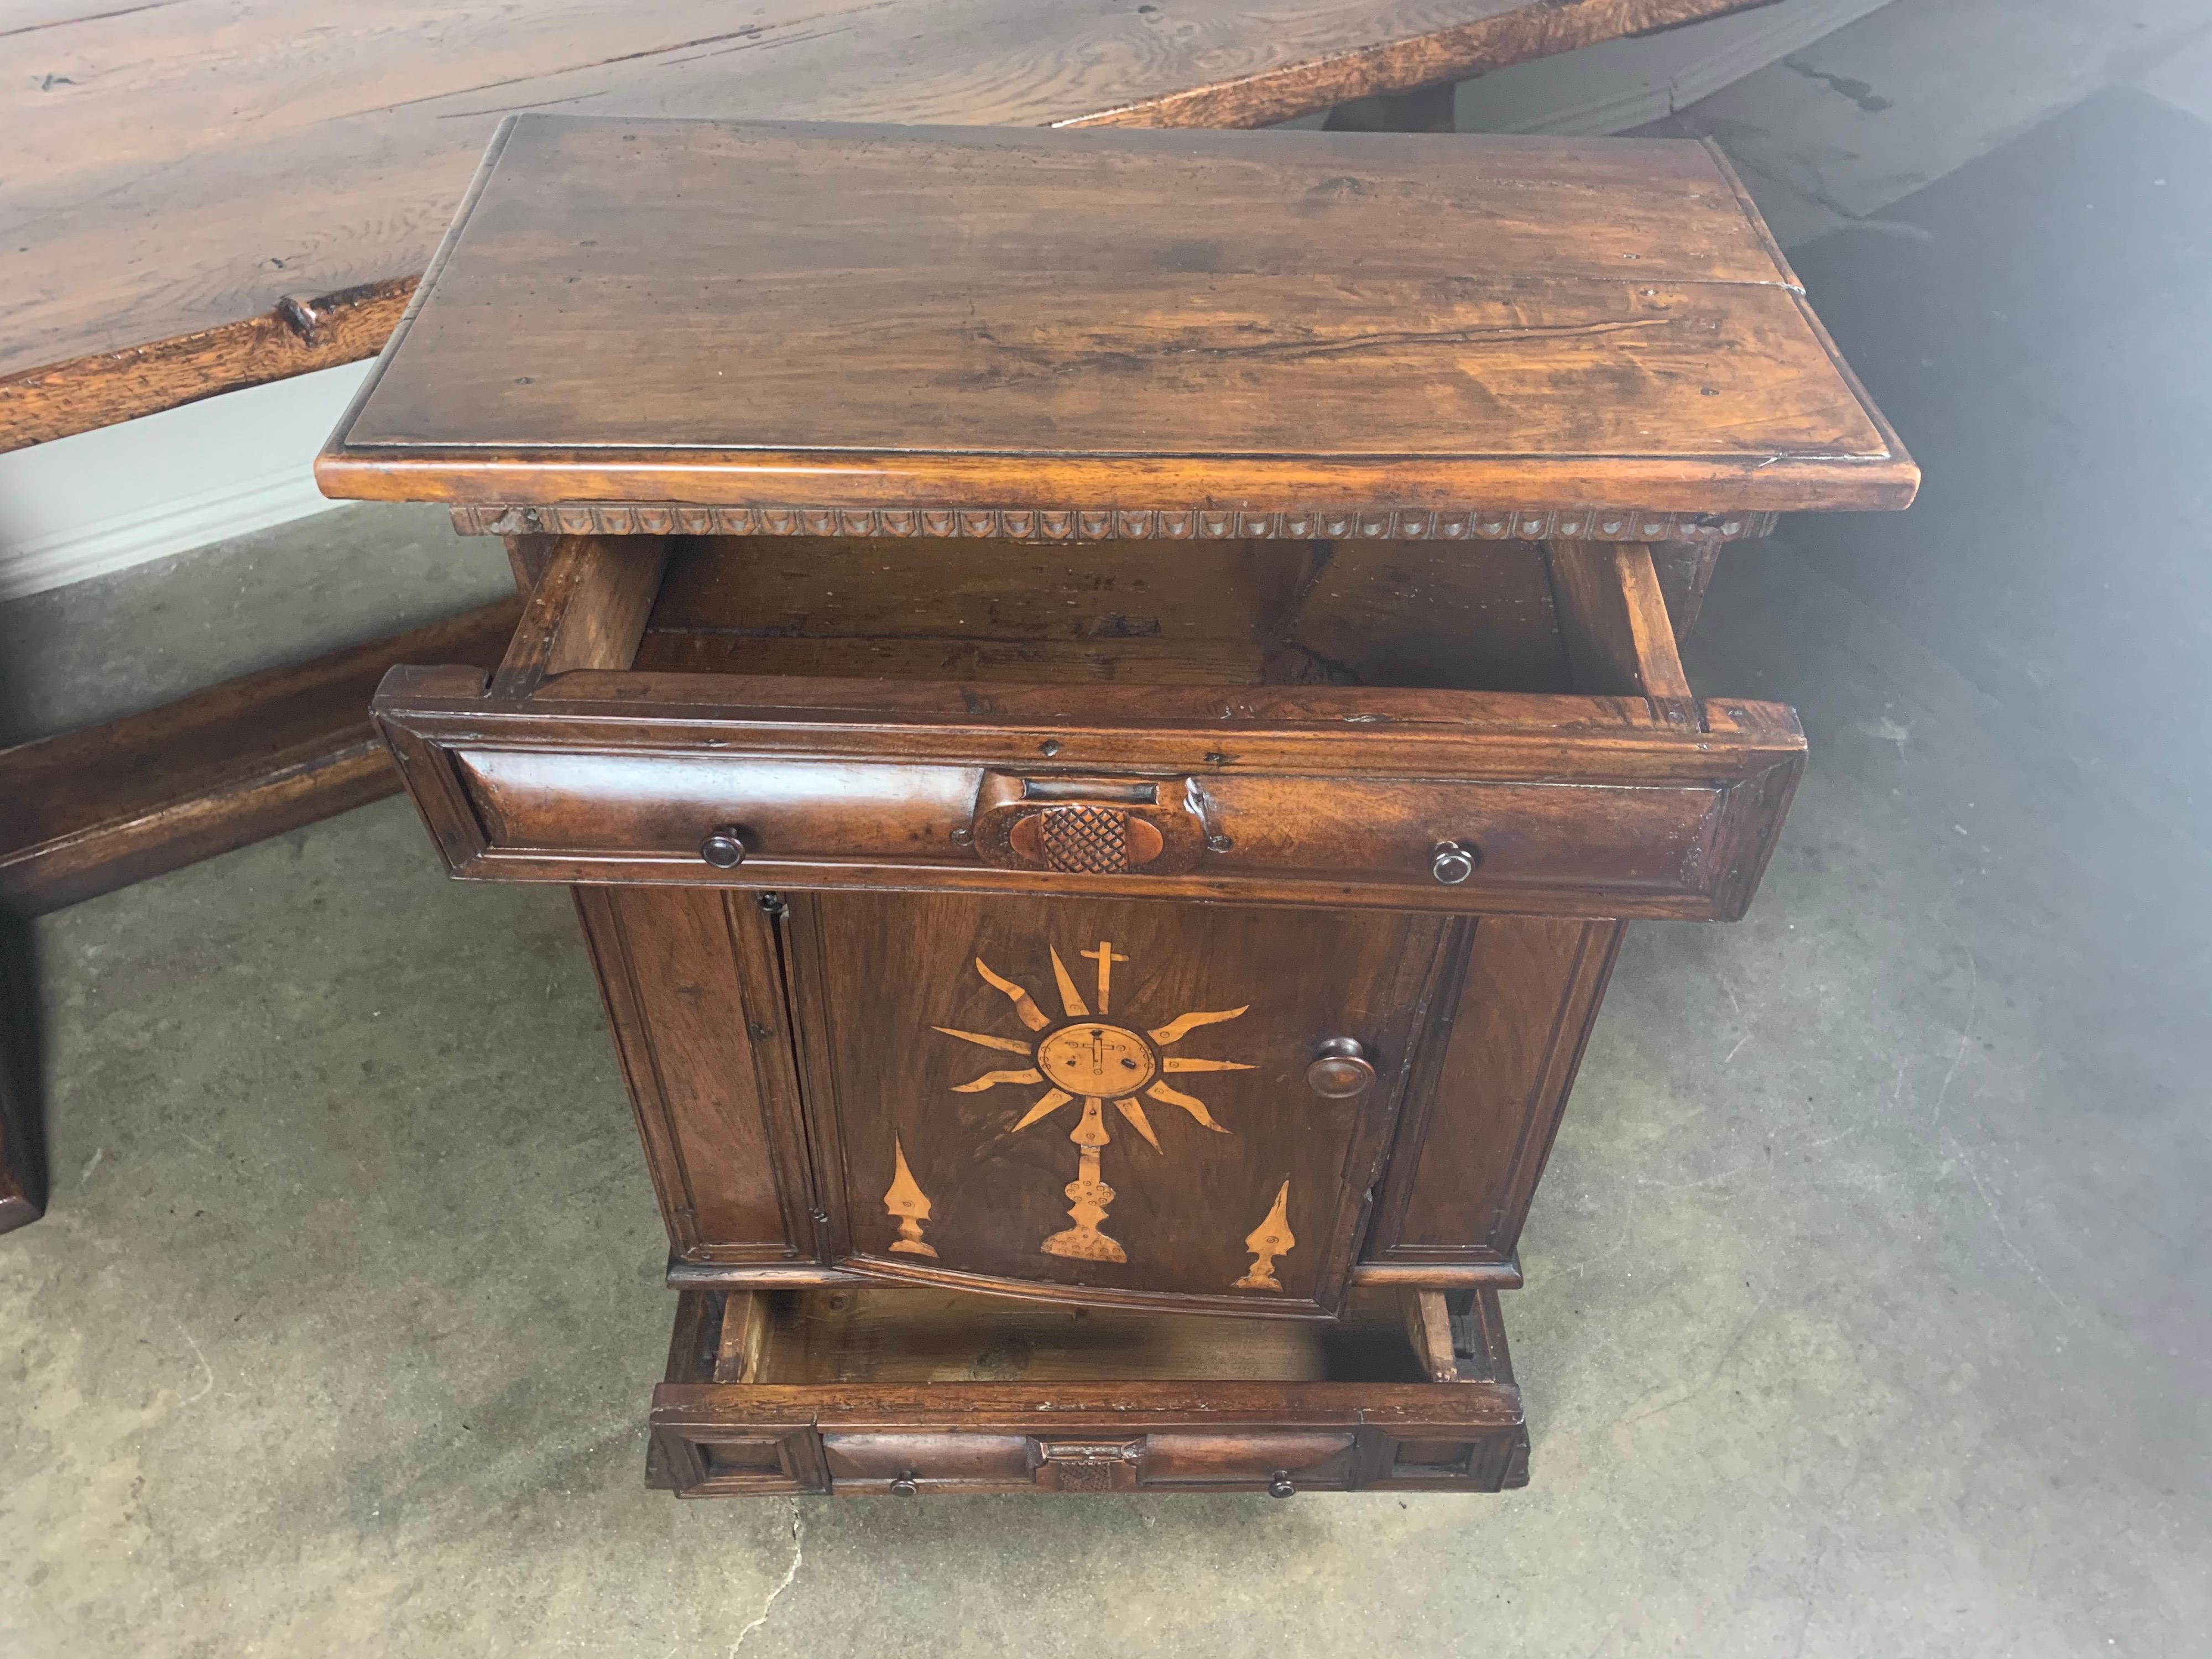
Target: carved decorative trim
<point>1595,524</point>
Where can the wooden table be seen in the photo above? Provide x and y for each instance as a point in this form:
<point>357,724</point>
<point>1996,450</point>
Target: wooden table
<point>201,197</point>
<point>1106,699</point>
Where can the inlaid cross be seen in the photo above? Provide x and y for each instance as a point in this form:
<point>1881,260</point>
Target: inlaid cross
<point>1105,956</point>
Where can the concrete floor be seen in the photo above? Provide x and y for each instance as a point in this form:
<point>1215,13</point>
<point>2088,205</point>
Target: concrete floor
<point>1865,1310</point>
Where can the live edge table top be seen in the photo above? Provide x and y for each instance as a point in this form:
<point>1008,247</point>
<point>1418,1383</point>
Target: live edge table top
<point>975,331</point>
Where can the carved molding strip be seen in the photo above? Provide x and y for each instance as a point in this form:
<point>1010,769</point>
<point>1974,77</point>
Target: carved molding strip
<point>1596,524</point>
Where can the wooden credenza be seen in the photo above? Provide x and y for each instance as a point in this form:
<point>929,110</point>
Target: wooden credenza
<point>1106,699</point>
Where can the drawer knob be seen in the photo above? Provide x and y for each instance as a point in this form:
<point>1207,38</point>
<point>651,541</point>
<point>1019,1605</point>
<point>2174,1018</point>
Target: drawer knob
<point>1453,862</point>
<point>904,1486</point>
<point>1341,1069</point>
<point>1278,1484</point>
<point>724,849</point>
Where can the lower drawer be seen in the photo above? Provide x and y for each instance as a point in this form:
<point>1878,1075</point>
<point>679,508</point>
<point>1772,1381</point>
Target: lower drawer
<point>908,1391</point>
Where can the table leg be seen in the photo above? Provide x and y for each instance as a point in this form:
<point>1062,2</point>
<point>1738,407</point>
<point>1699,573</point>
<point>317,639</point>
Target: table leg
<point>22,1147</point>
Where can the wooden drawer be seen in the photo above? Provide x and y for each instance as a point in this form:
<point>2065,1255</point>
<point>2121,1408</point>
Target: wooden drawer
<point>1500,727</point>
<point>904,1392</point>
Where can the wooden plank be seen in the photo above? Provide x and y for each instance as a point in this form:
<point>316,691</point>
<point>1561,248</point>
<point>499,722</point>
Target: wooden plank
<point>1612,617</point>
<point>588,611</point>
<point>172,182</point>
<point>745,1336</point>
<point>1684,571</point>
<point>299,335</point>
<point>1042,300</point>
<point>1472,1147</point>
<point>1428,1327</point>
<point>86,812</point>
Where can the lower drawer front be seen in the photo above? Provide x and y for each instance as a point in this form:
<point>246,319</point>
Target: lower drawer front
<point>1072,1433</point>
<point>1250,1458</point>
<point>728,1441</point>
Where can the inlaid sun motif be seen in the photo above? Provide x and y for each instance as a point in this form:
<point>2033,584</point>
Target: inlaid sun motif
<point>1085,1056</point>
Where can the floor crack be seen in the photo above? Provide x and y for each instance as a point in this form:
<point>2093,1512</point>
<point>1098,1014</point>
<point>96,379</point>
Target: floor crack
<point>798,1555</point>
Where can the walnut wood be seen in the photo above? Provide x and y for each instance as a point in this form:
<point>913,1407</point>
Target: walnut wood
<point>1405,770</point>
<point>1580,806</point>
<point>695,1342</point>
<point>876,1067</point>
<point>695,996</point>
<point>1613,622</point>
<point>171,215</point>
<point>1230,613</point>
<point>529,552</point>
<point>1428,1328</point>
<point>1499,1066</point>
<point>1454,1278</point>
<point>588,609</point>
<point>298,335</point>
<point>1483,1086</point>
<point>742,1348</point>
<point>1457,1277</point>
<point>538,525</point>
<point>87,811</point>
<point>1631,336</point>
<point>1685,569</point>
<point>909,1392</point>
<point>1603,806</point>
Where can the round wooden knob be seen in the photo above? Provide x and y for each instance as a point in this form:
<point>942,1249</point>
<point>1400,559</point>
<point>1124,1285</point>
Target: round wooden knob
<point>724,849</point>
<point>1278,1485</point>
<point>1341,1070</point>
<point>904,1486</point>
<point>1453,863</point>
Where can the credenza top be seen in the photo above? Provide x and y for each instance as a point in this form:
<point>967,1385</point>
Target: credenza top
<point>820,317</point>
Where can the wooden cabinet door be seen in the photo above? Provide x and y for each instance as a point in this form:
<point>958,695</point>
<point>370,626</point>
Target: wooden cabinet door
<point>1102,1101</point>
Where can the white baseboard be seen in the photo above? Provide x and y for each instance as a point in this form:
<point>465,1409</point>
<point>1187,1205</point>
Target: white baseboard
<point>102,501</point>
<point>1625,83</point>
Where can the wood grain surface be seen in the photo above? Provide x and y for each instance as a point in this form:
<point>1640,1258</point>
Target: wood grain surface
<point>1227,320</point>
<point>1322,774</point>
<point>868,1393</point>
<point>169,173</point>
<point>881,978</point>
<point>86,812</point>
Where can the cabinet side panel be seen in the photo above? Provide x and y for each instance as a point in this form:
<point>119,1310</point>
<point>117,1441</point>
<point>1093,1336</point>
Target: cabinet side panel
<point>667,959</point>
<point>1468,1159</point>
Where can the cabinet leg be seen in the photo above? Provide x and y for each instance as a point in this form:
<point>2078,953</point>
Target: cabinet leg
<point>22,1147</point>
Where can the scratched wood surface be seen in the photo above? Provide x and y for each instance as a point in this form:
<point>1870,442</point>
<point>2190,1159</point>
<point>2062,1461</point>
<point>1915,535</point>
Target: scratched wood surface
<point>1130,319</point>
<point>170,172</point>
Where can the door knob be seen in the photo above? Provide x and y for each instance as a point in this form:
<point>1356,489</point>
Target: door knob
<point>904,1486</point>
<point>1280,1484</point>
<point>1341,1069</point>
<point>1453,862</point>
<point>724,847</point>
